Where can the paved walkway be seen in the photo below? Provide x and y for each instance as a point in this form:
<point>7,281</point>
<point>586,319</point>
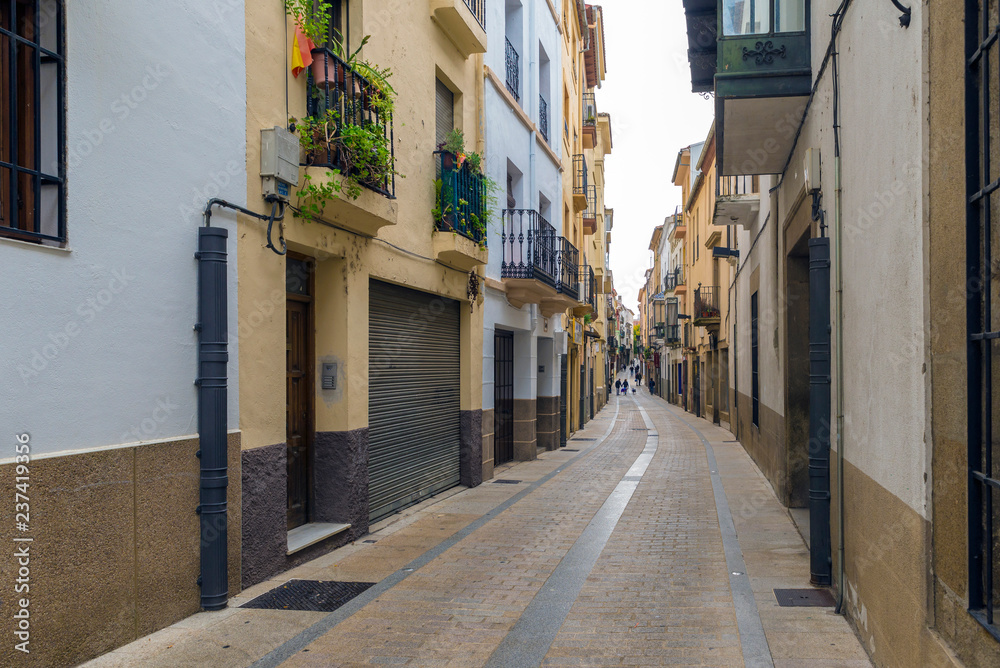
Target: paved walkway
<point>650,540</point>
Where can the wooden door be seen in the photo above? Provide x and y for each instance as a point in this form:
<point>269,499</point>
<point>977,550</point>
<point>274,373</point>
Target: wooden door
<point>298,413</point>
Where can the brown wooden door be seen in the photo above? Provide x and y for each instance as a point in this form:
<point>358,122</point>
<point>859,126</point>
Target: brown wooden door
<point>298,414</point>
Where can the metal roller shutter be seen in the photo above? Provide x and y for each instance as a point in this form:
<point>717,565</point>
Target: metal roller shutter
<point>444,112</point>
<point>414,410</point>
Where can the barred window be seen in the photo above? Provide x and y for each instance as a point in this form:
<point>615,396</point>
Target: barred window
<point>32,124</point>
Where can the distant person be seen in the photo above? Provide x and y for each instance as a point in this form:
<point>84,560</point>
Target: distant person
<point>652,386</point>
<point>618,386</point>
<point>625,387</point>
<point>638,378</point>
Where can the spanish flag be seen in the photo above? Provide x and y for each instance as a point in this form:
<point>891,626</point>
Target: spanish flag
<point>301,52</point>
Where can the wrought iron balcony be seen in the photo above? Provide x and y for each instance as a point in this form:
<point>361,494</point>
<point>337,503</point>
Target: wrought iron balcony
<point>673,337</point>
<point>737,200</point>
<point>587,292</point>
<point>759,68</point>
<point>589,121</point>
<point>478,9</point>
<point>590,213</point>
<point>543,117</point>
<point>659,329</point>
<point>464,21</point>
<point>569,260</point>
<point>529,246</point>
<point>670,282</point>
<point>706,306</point>
<point>461,202</point>
<point>513,71</point>
<point>579,182</point>
<point>351,96</point>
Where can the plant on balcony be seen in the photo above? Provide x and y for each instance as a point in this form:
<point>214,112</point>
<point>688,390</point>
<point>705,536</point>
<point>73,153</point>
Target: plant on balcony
<point>364,156</point>
<point>313,18</point>
<point>471,221</point>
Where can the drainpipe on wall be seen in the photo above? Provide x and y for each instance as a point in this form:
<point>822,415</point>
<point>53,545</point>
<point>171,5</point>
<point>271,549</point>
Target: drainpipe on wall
<point>212,382</point>
<point>838,325</point>
<point>213,358</point>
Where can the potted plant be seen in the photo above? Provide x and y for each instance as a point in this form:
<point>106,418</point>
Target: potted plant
<point>313,19</point>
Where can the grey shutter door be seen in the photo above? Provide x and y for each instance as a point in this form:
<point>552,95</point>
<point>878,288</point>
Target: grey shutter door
<point>414,410</point>
<point>444,118</point>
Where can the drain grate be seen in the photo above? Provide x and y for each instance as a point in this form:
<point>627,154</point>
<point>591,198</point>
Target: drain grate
<point>315,595</point>
<point>506,482</point>
<point>585,438</point>
<point>639,429</point>
<point>804,598</point>
<point>570,450</point>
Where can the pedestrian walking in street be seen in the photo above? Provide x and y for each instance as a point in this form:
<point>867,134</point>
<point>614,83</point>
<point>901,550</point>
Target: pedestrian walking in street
<point>652,386</point>
<point>625,387</point>
<point>638,378</point>
<point>618,386</point>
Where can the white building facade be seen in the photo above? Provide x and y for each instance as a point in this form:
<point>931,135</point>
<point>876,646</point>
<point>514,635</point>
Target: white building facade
<point>523,348</point>
<point>99,225</point>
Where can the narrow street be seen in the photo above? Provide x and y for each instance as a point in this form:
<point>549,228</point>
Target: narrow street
<point>651,539</point>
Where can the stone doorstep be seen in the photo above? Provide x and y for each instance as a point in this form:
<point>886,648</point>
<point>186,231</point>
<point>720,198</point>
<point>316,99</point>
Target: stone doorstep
<point>302,537</point>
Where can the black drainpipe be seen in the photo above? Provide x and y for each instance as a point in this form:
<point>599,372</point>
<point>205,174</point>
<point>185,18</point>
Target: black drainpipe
<point>820,565</point>
<point>213,358</point>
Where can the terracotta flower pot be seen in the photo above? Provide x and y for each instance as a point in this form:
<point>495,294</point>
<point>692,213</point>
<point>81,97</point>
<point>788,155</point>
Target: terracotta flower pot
<point>323,68</point>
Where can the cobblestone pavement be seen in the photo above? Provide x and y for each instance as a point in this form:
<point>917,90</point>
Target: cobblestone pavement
<point>658,543</point>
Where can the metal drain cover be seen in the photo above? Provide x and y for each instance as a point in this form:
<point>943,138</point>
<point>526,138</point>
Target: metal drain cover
<point>804,598</point>
<point>585,438</point>
<point>315,595</point>
<point>506,482</point>
<point>569,450</point>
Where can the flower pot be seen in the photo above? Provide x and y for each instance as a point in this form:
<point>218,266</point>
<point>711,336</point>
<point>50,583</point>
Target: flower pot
<point>447,160</point>
<point>324,68</point>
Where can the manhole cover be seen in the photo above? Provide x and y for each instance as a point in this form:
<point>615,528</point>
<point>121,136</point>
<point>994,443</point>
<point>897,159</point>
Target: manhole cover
<point>315,595</point>
<point>506,482</point>
<point>804,598</point>
<point>570,450</point>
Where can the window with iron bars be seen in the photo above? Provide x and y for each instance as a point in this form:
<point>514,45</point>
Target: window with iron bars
<point>32,121</point>
<point>983,311</point>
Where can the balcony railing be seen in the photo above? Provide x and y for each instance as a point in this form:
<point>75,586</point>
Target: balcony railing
<point>706,305</point>
<point>351,96</point>
<point>673,336</point>
<point>589,110</point>
<point>529,247</point>
<point>543,117</point>
<point>478,9</point>
<point>461,201</point>
<point>569,261</point>
<point>732,186</point>
<point>579,175</point>
<point>513,71</point>
<point>588,287</point>
<point>591,211</point>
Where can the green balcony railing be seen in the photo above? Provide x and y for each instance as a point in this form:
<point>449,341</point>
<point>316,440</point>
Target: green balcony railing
<point>461,199</point>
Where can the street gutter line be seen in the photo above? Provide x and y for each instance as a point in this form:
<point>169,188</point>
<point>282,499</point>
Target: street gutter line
<point>753,642</point>
<point>529,640</point>
<point>297,643</point>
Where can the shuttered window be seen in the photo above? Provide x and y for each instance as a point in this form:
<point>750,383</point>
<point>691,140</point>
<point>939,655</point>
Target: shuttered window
<point>444,118</point>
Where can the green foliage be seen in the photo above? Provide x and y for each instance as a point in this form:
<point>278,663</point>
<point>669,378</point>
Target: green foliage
<point>313,17</point>
<point>365,156</point>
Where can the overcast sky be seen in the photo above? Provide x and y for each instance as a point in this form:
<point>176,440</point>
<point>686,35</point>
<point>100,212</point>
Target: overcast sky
<point>653,115</point>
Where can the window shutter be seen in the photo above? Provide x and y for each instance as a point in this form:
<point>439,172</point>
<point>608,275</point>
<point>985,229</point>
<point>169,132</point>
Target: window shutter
<point>445,112</point>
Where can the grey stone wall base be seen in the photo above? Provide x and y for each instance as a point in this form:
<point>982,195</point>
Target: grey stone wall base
<point>265,492</point>
<point>340,479</point>
<point>471,452</point>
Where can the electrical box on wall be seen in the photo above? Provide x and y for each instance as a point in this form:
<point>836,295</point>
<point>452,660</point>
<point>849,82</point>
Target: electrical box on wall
<point>279,162</point>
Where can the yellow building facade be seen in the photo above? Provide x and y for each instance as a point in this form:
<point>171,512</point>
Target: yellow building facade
<point>376,301</point>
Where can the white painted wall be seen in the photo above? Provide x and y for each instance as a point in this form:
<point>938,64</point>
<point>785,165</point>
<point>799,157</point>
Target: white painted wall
<point>98,346</point>
<point>510,142</point>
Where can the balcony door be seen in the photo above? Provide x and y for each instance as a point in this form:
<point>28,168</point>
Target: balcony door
<point>298,387</point>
